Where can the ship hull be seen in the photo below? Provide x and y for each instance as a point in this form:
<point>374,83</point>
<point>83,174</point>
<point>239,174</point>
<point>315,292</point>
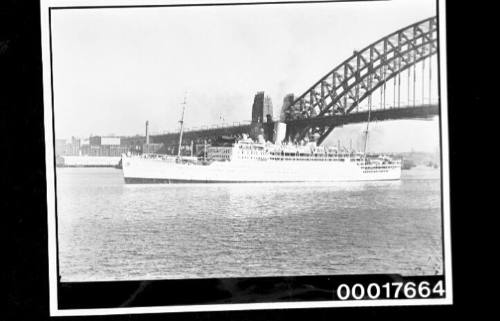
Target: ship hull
<point>138,170</point>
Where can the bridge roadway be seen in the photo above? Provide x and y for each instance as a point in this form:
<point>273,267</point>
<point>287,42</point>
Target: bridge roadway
<point>198,136</point>
<point>417,112</point>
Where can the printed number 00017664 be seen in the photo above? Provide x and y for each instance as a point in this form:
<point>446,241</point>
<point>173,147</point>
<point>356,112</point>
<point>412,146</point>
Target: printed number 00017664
<point>390,290</point>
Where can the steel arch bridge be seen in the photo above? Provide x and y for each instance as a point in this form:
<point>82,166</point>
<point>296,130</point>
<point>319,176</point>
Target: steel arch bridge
<point>341,91</point>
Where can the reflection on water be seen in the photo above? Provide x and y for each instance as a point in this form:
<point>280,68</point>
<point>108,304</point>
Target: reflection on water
<point>112,231</point>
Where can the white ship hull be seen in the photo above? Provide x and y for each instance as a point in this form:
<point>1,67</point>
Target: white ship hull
<point>144,170</point>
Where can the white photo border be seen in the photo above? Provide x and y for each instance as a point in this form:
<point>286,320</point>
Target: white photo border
<point>45,7</point>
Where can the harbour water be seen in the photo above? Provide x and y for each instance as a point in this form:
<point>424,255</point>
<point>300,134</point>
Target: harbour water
<point>112,231</point>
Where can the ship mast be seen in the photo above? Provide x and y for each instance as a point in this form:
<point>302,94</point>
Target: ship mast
<point>182,127</point>
<point>367,125</point>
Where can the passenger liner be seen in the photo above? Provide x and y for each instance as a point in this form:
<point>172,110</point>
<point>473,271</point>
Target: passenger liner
<point>247,161</point>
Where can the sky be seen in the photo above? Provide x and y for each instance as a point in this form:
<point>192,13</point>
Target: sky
<point>114,69</point>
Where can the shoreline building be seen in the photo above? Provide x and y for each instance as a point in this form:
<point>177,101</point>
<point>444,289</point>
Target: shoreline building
<point>65,148</point>
<point>104,146</point>
<point>92,146</point>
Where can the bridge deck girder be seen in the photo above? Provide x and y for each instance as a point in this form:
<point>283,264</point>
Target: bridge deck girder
<point>417,112</point>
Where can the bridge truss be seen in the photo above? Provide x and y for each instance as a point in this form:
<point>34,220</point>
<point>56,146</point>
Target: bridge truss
<point>350,87</point>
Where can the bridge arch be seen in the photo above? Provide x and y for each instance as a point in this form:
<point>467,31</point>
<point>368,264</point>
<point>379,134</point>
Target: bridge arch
<point>343,89</point>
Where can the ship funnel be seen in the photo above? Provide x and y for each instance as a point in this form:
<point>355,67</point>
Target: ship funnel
<point>316,137</point>
<point>279,132</point>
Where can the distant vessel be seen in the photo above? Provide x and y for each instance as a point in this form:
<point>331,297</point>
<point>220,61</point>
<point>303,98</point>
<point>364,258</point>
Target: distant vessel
<point>246,161</point>
<point>87,161</point>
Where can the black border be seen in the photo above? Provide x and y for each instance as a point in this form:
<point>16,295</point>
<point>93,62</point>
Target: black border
<point>25,199</point>
<point>75,290</point>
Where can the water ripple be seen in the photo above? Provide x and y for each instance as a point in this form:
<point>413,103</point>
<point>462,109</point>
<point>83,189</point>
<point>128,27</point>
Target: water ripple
<point>112,231</point>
